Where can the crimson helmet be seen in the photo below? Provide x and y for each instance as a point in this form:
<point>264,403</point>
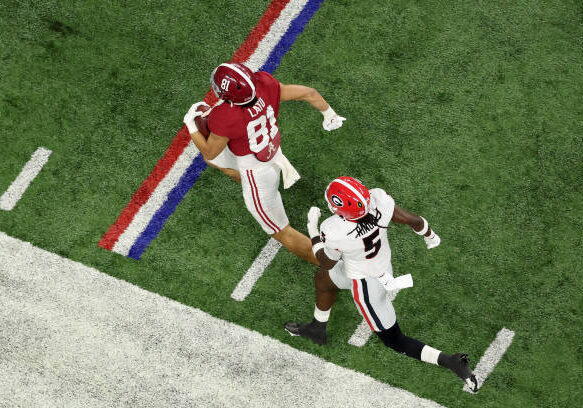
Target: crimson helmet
<point>348,197</point>
<point>233,82</point>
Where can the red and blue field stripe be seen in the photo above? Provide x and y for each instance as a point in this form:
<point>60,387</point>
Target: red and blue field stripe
<point>177,171</point>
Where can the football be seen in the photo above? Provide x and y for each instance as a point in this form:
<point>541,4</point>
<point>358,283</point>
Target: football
<point>202,121</point>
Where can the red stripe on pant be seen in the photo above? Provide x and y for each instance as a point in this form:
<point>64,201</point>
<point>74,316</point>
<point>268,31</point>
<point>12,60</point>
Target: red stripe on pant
<point>357,299</point>
<point>257,203</point>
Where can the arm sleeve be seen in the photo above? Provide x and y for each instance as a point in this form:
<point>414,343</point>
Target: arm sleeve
<point>385,204</point>
<point>390,206</point>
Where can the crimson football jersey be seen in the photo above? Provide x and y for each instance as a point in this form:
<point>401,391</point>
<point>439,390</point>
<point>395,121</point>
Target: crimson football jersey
<point>251,129</point>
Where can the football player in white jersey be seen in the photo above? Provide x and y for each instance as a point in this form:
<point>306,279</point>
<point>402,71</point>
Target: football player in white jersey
<point>354,253</point>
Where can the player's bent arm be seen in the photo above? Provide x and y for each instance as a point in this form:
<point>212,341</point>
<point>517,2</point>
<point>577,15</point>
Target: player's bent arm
<point>211,147</point>
<point>419,225</point>
<point>303,93</point>
<point>332,120</point>
<point>401,216</point>
<point>318,249</point>
<point>326,263</point>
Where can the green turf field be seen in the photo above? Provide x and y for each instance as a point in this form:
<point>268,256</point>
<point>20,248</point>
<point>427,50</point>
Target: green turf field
<point>469,113</point>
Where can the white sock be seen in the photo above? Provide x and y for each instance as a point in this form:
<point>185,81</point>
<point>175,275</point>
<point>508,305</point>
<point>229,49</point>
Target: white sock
<point>429,354</point>
<point>321,315</point>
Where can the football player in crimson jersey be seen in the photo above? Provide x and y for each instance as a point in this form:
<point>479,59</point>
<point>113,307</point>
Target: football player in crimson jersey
<point>353,250</point>
<point>244,142</point>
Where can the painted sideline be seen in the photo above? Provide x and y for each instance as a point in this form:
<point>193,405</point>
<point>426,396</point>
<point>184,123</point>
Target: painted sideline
<point>73,336</point>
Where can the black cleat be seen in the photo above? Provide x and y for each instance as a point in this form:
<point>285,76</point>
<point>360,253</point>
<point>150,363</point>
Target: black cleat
<point>472,383</point>
<point>461,366</point>
<point>315,331</point>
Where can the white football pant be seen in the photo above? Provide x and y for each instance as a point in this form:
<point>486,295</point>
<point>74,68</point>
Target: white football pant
<point>370,298</point>
<point>261,193</point>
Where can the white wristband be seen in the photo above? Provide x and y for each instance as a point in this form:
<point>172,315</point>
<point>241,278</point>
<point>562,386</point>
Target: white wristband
<point>317,247</point>
<point>328,113</point>
<point>424,229</point>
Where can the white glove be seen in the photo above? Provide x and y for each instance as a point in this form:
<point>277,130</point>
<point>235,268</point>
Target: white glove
<point>432,240</point>
<point>313,217</point>
<point>191,114</point>
<point>390,284</point>
<point>331,119</point>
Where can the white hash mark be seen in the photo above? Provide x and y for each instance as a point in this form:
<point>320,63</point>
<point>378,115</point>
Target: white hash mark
<point>245,286</point>
<point>492,356</point>
<point>28,173</point>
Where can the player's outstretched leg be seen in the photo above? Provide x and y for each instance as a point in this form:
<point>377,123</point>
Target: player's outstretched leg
<point>234,174</point>
<point>315,330</point>
<point>458,363</point>
<point>297,243</point>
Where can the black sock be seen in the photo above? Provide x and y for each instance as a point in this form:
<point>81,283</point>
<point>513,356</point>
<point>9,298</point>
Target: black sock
<point>396,340</point>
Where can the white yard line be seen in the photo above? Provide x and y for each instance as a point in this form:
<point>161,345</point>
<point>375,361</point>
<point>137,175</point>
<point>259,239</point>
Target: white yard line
<point>28,173</point>
<point>360,335</point>
<point>492,356</point>
<point>363,331</point>
<point>262,261</point>
<point>71,336</point>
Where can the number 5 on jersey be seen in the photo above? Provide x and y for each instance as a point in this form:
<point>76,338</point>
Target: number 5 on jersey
<point>370,244</point>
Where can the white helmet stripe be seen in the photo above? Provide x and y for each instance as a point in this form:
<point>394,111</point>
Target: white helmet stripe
<point>355,191</point>
<point>326,197</point>
<point>244,75</point>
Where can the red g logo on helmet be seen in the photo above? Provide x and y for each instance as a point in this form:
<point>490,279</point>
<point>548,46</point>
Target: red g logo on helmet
<point>348,197</point>
<point>337,201</point>
<point>233,82</point>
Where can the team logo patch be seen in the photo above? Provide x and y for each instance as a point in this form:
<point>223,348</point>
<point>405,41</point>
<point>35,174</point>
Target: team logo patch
<point>337,201</point>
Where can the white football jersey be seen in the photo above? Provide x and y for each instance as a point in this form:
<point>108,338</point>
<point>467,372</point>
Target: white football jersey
<point>364,250</point>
